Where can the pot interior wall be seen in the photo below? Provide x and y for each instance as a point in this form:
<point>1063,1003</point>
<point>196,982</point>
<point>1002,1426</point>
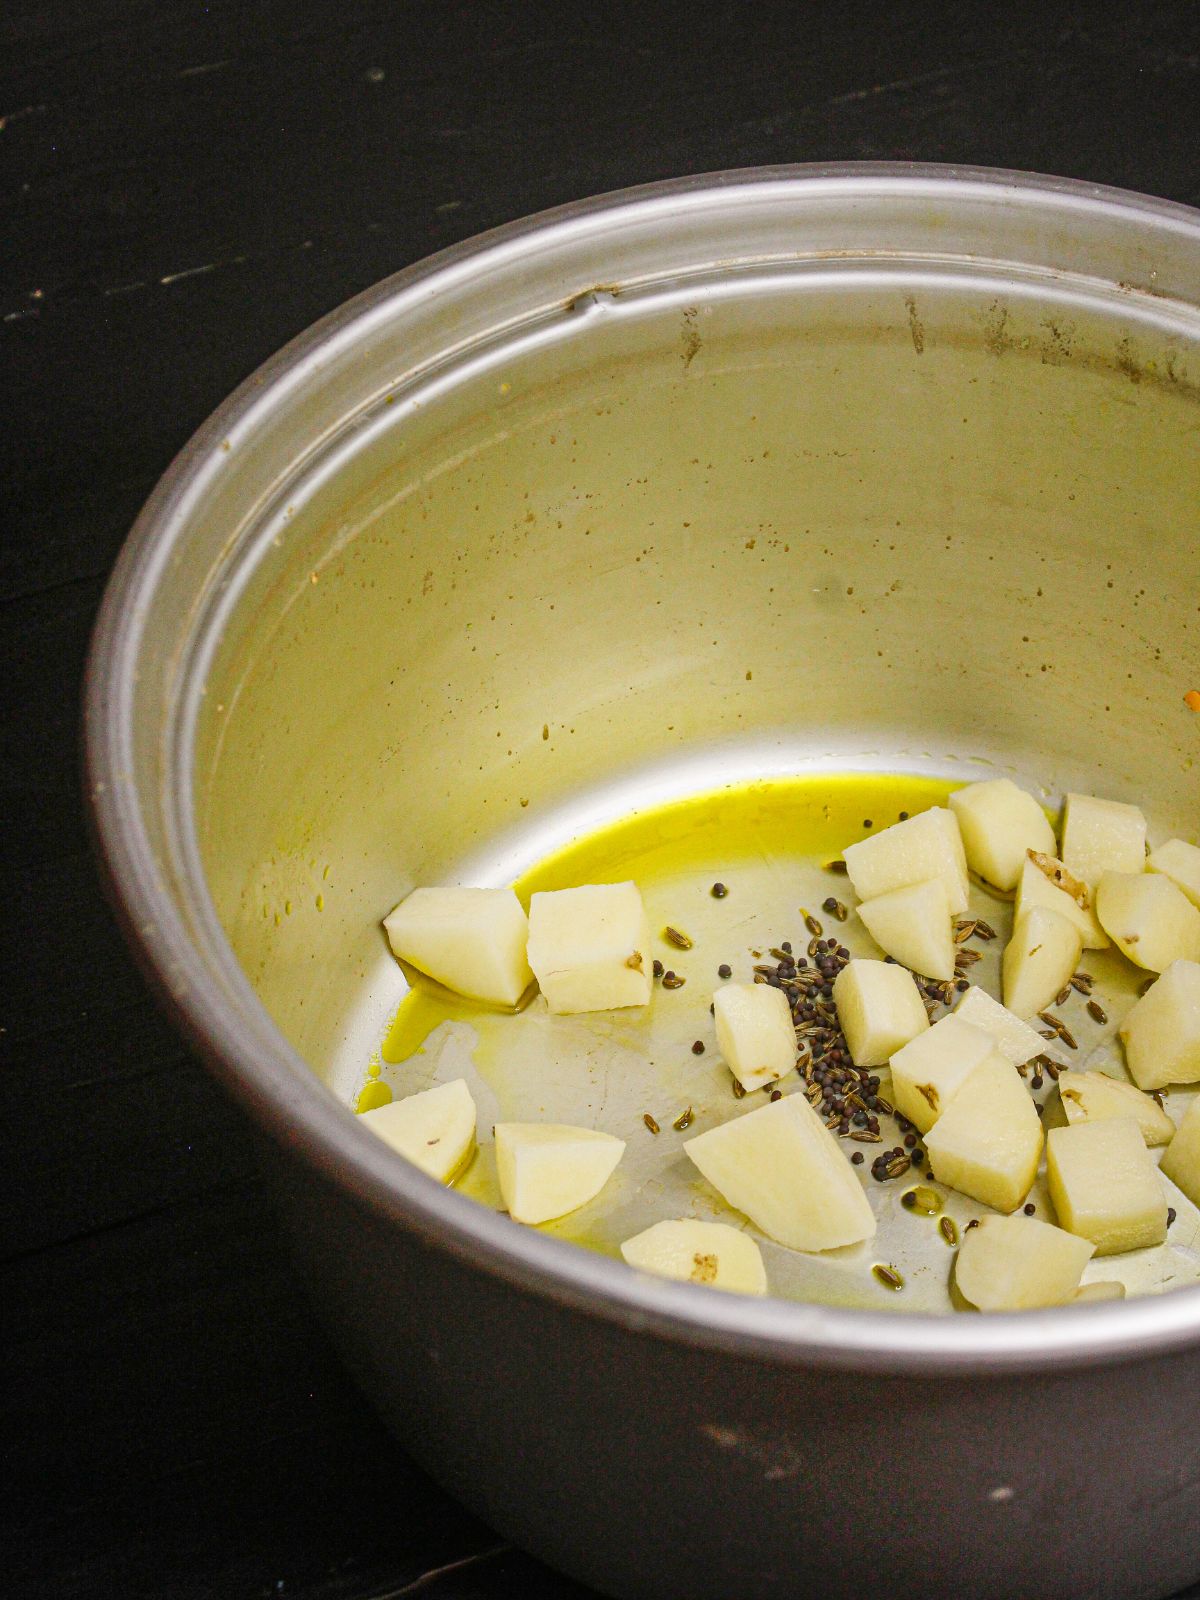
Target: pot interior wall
<point>848,517</point>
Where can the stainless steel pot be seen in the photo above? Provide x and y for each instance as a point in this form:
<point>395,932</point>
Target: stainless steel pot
<point>496,548</point>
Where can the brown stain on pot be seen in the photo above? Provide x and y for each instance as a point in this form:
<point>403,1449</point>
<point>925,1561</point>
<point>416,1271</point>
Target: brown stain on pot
<point>915,326</point>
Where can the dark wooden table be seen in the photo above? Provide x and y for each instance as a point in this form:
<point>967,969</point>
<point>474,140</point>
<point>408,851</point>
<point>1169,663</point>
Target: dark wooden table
<point>183,188</point>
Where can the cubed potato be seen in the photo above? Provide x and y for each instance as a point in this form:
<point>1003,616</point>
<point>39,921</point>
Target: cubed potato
<point>1161,1032</point>
<point>1181,1161</point>
<point>1036,888</point>
<point>1148,919</point>
<point>547,1169</point>
<point>434,1129</point>
<point>755,1032</point>
<point>1016,1040</point>
<point>1095,1097</point>
<point>1039,959</point>
<point>1019,1263</point>
<point>1100,836</point>
<point>928,845</point>
<point>786,1171</point>
<point>987,1142</point>
<point>1093,1293</point>
<point>590,947</point>
<point>913,926</point>
<point>999,822</point>
<point>699,1252</point>
<point>1180,862</point>
<point>472,940</point>
<point>930,1070</point>
<point>879,1008</point>
<point>1104,1185</point>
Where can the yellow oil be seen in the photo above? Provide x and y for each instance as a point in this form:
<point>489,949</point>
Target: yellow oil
<point>732,836</point>
<point>771,843</point>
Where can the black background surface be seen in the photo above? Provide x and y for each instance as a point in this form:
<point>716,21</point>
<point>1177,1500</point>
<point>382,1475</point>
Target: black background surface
<point>183,188</point>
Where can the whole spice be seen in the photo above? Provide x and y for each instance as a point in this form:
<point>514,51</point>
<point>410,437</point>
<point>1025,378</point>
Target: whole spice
<point>1097,1012</point>
<point>888,1276</point>
<point>672,980</point>
<point>675,937</point>
<point>948,1230</point>
<point>684,1120</point>
<point>650,1123</point>
<point>718,891</point>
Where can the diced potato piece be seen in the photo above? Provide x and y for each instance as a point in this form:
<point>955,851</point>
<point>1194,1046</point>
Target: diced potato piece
<point>930,1070</point>
<point>547,1168</point>
<point>1095,1097</point>
<point>879,1007</point>
<point>1093,1292</point>
<point>1148,919</point>
<point>1181,1162</point>
<point>786,1171</point>
<point>1100,836</point>
<point>999,823</point>
<point>1016,1040</point>
<point>755,1032</point>
<point>590,947</point>
<point>1105,1186</point>
<point>1161,1033</point>
<point>699,1252</point>
<point>1019,1263</point>
<point>928,845</point>
<point>434,1129</point>
<point>1180,862</point>
<point>1039,959</point>
<point>472,940</point>
<point>987,1142</point>
<point>1034,888</point>
<point>913,926</point>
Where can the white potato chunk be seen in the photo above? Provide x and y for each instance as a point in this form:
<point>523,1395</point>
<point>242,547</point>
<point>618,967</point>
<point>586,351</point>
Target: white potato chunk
<point>699,1252</point>
<point>1148,919</point>
<point>879,1008</point>
<point>1181,1163</point>
<point>472,940</point>
<point>1100,836</point>
<point>1035,888</point>
<point>1016,1040</point>
<point>1095,1097</point>
<point>928,845</point>
<point>1019,1264</point>
<point>1091,1293</point>
<point>547,1168</point>
<point>755,1032</point>
<point>999,822</point>
<point>1104,1185</point>
<point>930,1070</point>
<point>786,1171</point>
<point>987,1142</point>
<point>913,926</point>
<point>1161,1033</point>
<point>1039,959</point>
<point>1180,862</point>
<point>590,947</point>
<point>434,1129</point>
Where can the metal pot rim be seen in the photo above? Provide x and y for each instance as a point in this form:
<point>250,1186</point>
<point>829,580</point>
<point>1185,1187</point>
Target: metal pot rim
<point>213,1004</point>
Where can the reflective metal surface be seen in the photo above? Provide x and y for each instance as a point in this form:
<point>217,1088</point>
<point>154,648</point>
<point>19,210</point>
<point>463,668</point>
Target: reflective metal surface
<point>841,468</point>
